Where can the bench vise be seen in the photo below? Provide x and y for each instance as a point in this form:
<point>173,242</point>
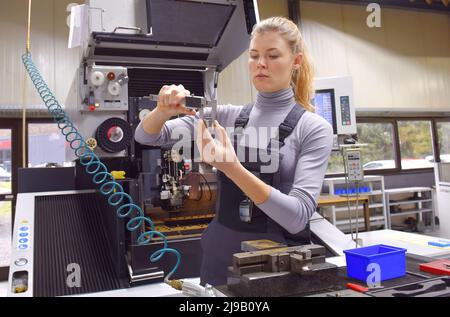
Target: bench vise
<point>269,269</point>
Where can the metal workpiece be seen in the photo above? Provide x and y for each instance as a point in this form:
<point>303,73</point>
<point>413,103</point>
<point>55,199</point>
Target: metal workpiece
<point>256,245</point>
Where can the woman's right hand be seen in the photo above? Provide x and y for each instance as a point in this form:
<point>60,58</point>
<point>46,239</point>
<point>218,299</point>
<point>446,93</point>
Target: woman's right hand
<point>171,101</point>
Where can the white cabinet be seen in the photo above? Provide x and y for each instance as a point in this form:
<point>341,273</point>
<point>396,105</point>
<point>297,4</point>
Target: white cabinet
<point>372,186</point>
<point>442,177</point>
<point>443,201</point>
<point>409,201</point>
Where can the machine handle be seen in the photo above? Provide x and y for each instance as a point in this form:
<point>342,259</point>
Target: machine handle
<point>133,28</point>
<point>357,288</point>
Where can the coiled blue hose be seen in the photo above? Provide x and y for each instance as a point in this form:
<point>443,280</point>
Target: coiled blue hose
<point>93,165</point>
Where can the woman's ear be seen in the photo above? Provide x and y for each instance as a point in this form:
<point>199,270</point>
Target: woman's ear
<point>298,61</point>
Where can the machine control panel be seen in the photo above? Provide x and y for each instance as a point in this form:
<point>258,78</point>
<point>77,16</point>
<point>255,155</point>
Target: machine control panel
<point>21,258</point>
<point>354,165</point>
<point>105,88</point>
<point>23,236</point>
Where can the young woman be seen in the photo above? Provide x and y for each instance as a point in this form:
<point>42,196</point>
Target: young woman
<point>255,204</point>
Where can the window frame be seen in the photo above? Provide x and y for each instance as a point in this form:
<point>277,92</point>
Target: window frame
<point>16,155</point>
<point>43,120</point>
<point>437,150</point>
<point>396,142</point>
<point>15,124</point>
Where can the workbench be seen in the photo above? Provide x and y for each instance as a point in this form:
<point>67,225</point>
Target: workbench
<point>414,243</point>
<point>334,200</point>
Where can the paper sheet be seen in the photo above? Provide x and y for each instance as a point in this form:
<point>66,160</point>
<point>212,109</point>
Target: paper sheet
<point>78,25</point>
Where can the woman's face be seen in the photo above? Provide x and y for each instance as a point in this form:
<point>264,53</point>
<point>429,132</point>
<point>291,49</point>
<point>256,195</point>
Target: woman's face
<point>271,62</point>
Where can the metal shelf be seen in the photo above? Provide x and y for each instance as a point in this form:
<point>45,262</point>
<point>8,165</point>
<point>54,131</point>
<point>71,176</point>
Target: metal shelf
<point>344,225</point>
<point>352,208</point>
<point>407,202</point>
<point>375,183</point>
<point>367,178</point>
<point>407,190</point>
<point>361,220</point>
<point>423,198</point>
<point>416,211</point>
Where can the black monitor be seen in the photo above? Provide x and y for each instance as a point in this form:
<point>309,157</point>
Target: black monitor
<point>325,106</point>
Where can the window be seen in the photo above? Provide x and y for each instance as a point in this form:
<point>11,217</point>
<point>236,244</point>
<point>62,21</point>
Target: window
<point>443,134</point>
<point>46,145</point>
<point>415,144</point>
<point>5,188</point>
<point>379,152</point>
<point>335,163</point>
<point>412,145</point>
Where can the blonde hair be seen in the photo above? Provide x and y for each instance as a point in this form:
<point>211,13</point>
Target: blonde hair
<point>302,79</point>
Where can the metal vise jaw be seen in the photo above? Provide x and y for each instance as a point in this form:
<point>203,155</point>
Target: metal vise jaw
<point>298,259</point>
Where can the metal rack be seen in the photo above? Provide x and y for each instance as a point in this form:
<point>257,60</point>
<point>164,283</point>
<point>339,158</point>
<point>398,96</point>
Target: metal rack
<point>377,207</point>
<point>422,201</point>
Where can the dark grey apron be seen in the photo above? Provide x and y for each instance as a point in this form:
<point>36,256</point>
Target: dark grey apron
<point>237,219</point>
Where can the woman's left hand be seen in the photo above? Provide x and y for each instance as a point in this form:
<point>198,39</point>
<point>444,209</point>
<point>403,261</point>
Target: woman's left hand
<point>218,152</point>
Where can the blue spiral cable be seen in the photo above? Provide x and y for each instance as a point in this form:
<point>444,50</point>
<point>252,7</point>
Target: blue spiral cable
<point>100,175</point>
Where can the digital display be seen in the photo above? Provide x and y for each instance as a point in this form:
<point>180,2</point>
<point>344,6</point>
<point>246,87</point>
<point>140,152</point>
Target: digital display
<point>325,106</point>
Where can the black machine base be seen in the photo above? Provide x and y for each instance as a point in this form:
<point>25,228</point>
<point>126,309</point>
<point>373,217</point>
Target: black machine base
<point>71,232</point>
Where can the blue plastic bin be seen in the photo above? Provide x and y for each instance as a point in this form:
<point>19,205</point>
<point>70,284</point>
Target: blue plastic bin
<point>392,261</point>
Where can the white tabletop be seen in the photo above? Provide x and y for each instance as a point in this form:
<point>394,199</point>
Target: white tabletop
<point>148,290</point>
<point>414,243</point>
<point>406,190</point>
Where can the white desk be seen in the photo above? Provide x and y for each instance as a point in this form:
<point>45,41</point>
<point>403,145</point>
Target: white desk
<point>149,290</point>
<point>337,241</point>
<point>414,243</point>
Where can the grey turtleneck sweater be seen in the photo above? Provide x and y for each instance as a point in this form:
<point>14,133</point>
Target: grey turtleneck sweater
<point>305,154</point>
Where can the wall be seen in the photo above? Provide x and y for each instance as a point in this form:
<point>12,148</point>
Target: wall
<point>49,34</point>
<point>405,64</point>
<point>235,86</point>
